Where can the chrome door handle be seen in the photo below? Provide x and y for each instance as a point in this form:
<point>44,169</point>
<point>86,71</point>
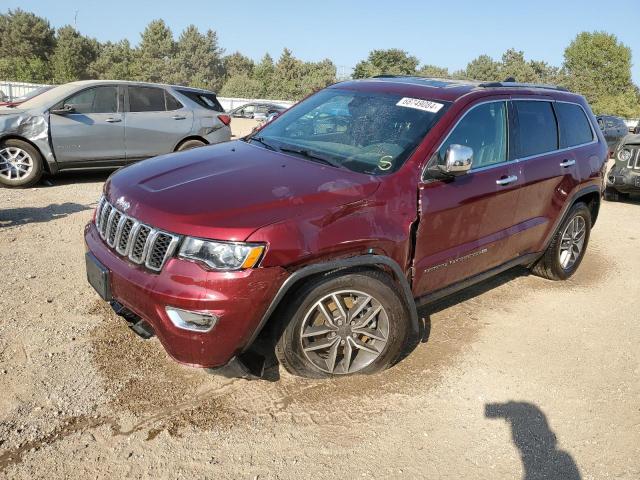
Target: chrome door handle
<point>506,180</point>
<point>567,163</point>
<point>113,120</point>
<point>178,117</point>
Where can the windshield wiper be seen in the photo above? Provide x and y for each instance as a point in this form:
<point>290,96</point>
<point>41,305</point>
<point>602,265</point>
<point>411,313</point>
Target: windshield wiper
<point>311,156</point>
<point>260,139</point>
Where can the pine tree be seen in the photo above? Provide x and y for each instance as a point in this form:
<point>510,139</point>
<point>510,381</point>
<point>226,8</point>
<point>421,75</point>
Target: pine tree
<point>72,55</point>
<point>153,56</point>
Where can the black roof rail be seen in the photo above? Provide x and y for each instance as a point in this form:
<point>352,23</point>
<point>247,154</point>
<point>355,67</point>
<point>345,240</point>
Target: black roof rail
<point>522,85</point>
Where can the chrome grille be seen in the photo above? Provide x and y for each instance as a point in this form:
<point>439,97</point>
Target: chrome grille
<point>634,161</point>
<point>140,243</point>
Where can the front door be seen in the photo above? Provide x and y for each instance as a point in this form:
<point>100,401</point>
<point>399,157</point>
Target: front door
<point>92,131</point>
<point>465,222</point>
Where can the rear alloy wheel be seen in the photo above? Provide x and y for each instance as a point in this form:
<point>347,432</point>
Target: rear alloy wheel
<point>20,164</point>
<point>562,257</point>
<point>342,324</point>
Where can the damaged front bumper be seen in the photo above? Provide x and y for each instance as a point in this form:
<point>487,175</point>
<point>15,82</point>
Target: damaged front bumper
<point>238,300</point>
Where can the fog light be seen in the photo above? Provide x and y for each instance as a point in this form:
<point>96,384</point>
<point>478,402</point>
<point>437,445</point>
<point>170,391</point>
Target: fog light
<point>189,320</point>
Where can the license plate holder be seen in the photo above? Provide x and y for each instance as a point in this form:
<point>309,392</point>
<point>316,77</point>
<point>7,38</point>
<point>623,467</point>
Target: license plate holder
<point>98,276</point>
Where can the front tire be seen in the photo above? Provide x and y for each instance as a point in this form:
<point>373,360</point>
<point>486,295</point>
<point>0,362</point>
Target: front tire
<point>343,324</point>
<point>20,164</point>
<point>564,254</point>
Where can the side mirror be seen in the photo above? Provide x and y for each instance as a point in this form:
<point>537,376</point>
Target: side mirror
<point>458,160</point>
<point>66,109</point>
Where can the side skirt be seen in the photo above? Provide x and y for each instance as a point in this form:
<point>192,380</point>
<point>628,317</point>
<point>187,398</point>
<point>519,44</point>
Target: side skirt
<point>456,287</point>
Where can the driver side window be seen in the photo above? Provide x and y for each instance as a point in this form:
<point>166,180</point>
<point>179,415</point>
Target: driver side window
<point>95,100</point>
<point>484,129</point>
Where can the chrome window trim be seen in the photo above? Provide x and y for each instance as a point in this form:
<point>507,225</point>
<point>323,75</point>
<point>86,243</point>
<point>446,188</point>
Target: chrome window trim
<point>515,160</point>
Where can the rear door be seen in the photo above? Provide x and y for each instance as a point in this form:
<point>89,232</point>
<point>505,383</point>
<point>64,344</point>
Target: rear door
<point>465,223</point>
<point>155,122</point>
<point>94,131</point>
<point>550,138</point>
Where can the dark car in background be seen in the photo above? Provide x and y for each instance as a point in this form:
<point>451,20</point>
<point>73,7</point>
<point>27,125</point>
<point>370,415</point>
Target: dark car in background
<point>104,124</point>
<point>624,177</point>
<point>614,130</point>
<point>256,111</point>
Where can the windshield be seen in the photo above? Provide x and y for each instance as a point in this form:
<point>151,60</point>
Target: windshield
<point>365,132</point>
<point>50,97</point>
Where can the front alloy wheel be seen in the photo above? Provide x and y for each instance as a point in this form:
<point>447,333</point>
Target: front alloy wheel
<point>343,323</point>
<point>15,163</point>
<point>344,331</point>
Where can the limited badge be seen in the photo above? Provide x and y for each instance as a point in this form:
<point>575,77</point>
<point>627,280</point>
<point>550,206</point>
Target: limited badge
<point>420,104</point>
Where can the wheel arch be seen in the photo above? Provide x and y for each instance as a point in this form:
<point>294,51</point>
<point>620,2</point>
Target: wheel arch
<point>358,263</point>
<point>190,137</point>
<point>592,198</point>
<point>45,164</point>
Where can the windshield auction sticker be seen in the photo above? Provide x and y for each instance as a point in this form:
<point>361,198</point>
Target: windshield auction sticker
<point>419,104</point>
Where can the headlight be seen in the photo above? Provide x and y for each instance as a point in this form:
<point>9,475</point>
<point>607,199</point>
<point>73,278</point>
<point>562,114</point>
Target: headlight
<point>624,155</point>
<point>221,255</point>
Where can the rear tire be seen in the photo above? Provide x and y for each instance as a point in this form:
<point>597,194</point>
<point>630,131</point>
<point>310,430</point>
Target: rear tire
<point>21,164</point>
<point>564,254</point>
<point>366,333</point>
<point>189,144</point>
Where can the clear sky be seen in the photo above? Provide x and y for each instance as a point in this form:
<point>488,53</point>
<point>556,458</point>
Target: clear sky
<point>444,33</point>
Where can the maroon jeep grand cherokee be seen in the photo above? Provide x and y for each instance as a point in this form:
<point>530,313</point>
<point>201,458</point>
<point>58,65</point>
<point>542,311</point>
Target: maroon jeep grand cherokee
<point>326,229</point>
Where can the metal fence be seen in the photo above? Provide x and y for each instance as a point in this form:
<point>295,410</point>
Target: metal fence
<point>12,90</point>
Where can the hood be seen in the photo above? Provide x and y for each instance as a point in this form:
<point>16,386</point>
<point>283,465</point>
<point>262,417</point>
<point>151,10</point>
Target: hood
<point>229,190</point>
<point>631,139</point>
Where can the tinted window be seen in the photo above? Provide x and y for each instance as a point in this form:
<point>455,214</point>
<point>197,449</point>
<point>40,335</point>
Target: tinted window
<point>538,131</point>
<point>172,103</point>
<point>574,125</point>
<point>95,100</point>
<point>207,100</point>
<point>484,129</point>
<point>146,99</point>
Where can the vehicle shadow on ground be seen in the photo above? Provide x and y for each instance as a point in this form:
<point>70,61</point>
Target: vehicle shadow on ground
<point>425,311</point>
<point>20,216</point>
<point>73,177</point>
<point>536,442</point>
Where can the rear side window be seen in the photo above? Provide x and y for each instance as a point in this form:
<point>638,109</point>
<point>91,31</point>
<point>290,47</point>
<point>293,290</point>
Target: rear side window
<point>484,129</point>
<point>538,132</point>
<point>206,100</point>
<point>575,128</point>
<point>146,99</point>
<point>171,102</point>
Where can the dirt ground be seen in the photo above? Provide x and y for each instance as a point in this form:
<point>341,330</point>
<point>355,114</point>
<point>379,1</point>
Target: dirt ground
<point>520,377</point>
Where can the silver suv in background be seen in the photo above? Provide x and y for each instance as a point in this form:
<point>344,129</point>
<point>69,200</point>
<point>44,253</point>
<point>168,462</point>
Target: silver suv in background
<point>104,124</point>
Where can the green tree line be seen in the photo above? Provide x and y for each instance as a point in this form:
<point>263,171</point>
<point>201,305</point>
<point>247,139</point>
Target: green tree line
<point>596,64</point>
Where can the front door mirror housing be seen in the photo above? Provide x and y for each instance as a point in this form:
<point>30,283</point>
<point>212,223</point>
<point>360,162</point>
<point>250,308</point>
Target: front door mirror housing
<point>66,109</point>
<point>458,160</point>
